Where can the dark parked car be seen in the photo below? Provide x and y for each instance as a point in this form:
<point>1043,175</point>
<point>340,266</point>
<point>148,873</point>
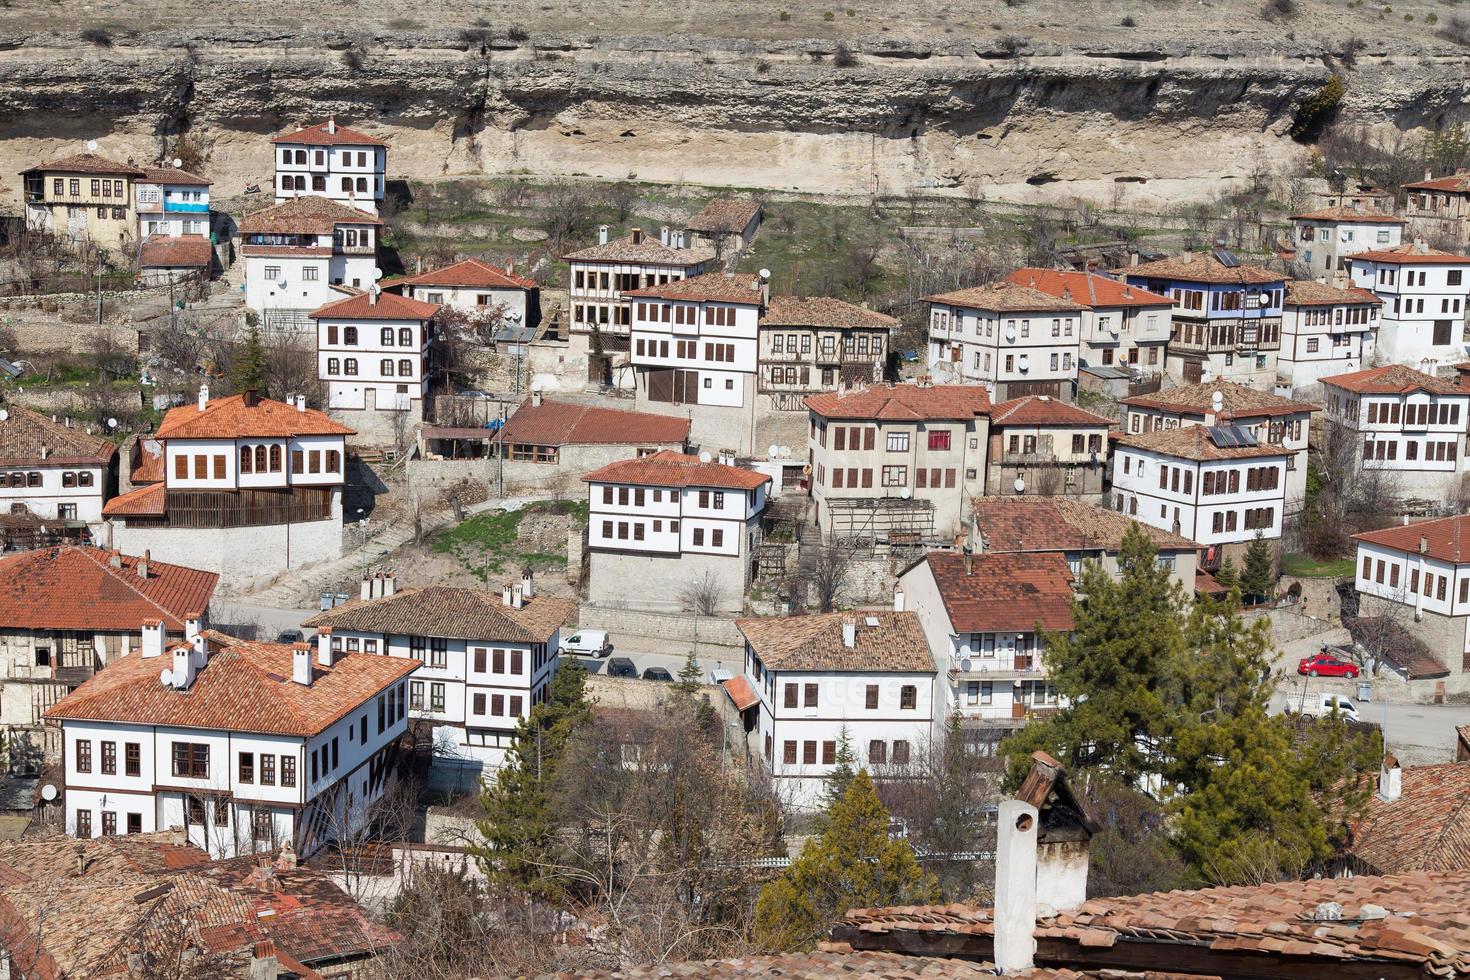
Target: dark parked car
<point>621,667</point>
<point>657,674</point>
<point>290,636</point>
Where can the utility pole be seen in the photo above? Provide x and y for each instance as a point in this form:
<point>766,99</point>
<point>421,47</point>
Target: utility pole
<point>99,287</point>
<point>500,457</point>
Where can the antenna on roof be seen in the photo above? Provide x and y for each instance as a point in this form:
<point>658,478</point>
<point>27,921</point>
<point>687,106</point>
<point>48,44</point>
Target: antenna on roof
<point>92,146</point>
<point>377,273</point>
<point>178,163</point>
<point>765,274</point>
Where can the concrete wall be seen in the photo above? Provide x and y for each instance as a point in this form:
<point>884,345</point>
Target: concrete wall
<point>385,428</point>
<point>673,626</point>
<point>653,582</point>
<point>244,557</point>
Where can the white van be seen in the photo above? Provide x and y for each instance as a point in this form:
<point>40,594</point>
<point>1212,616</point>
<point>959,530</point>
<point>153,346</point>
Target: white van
<point>1322,705</point>
<point>587,643</point>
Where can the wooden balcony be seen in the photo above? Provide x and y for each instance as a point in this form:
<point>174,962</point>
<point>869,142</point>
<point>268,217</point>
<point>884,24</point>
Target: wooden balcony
<point>1222,335</point>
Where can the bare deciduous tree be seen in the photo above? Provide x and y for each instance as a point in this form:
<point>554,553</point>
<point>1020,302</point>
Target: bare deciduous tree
<point>824,569</point>
<point>701,595</point>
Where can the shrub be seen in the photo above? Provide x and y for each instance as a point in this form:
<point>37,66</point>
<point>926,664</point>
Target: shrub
<point>99,36</point>
<point>843,57</point>
<point>1010,44</point>
<point>518,34</point>
<point>1317,110</point>
<point>785,15</point>
<point>762,66</point>
<point>1129,21</point>
<point>1431,18</point>
<point>829,15</point>
<point>353,59</point>
<point>1456,31</point>
<point>1273,9</point>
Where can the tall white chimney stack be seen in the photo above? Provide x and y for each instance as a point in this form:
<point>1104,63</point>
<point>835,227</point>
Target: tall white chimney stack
<point>301,663</point>
<point>527,586</point>
<point>152,638</point>
<point>324,654</point>
<point>849,633</point>
<point>203,396</point>
<point>1390,780</point>
<point>1018,824</point>
<point>183,667</point>
<point>505,596</point>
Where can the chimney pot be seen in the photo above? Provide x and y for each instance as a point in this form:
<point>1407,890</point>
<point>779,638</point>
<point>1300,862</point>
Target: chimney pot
<point>184,665</point>
<point>152,645</point>
<point>324,653</point>
<point>1390,779</point>
<point>898,600</point>
<point>527,585</point>
<point>505,596</point>
<point>536,397</point>
<point>1015,886</point>
<point>301,664</point>
<point>203,396</point>
<point>516,599</point>
<point>142,566</point>
<point>390,583</point>
<point>637,236</point>
<point>366,590</point>
<point>663,234</point>
<point>1423,545</point>
<point>602,234</point>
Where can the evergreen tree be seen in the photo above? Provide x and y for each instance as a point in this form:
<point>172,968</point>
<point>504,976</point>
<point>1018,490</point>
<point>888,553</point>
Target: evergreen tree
<point>518,823</point>
<point>686,692</point>
<point>248,368</point>
<point>1259,577</point>
<point>844,768</point>
<point>1226,574</point>
<point>853,864</point>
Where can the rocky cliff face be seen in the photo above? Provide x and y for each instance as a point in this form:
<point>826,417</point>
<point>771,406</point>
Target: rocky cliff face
<point>1020,119</point>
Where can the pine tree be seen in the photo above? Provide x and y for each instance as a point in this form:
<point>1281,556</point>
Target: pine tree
<point>853,864</point>
<point>248,368</point>
<point>1226,574</point>
<point>518,823</point>
<point>1259,577</point>
<point>686,691</point>
<point>844,768</point>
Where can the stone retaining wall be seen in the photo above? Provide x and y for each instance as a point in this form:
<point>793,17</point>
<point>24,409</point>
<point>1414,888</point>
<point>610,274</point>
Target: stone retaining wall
<point>678,627</point>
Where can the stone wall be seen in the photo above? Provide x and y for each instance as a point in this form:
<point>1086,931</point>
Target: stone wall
<point>382,428</point>
<point>431,475</point>
<point>655,582</point>
<point>245,557</point>
<point>672,626</point>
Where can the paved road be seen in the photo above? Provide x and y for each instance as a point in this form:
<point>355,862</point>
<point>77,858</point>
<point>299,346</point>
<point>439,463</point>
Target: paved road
<point>711,659</point>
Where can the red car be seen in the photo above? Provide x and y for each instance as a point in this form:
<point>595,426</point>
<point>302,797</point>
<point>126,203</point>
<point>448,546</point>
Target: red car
<point>1326,665</point>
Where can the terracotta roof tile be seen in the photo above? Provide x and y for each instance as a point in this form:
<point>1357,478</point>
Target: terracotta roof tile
<point>1411,253</point>
<point>1005,296</point>
<point>903,402</point>
<point>465,614</point>
<point>318,135</point>
<point>1088,288</point>
<point>470,273</point>
<point>388,306</point>
<point>724,215</point>
<point>286,251</point>
<point>1456,183</point>
<point>821,311</point>
<point>1444,538</point>
<point>187,252</point>
<point>814,642</point>
<point>43,588</point>
<point>1237,401</point>
<point>244,687</point>
<point>1350,215</point>
<point>24,434</point>
<point>86,163</point>
<point>1309,292</point>
<point>1426,829</point>
<point>557,423</point>
<point>230,418</point>
<point>1193,442</point>
<point>649,250</point>
<point>1059,524</point>
<point>715,287</point>
<point>1043,410</point>
<point>145,501</point>
<point>174,175</point>
<point>742,695</point>
<point>667,468</point>
<point>820,964</point>
<point>1200,267</point>
<point>304,216</point>
<point>1393,379</point>
<point>147,460</point>
<point>1004,591</point>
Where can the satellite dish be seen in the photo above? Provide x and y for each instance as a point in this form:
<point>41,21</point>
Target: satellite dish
<point>92,145</point>
<point>4,414</point>
<point>785,452</point>
<point>48,792</point>
<point>1020,485</point>
<point>905,493</point>
<point>1010,334</point>
<point>178,163</point>
<point>773,452</point>
<point>1023,363</point>
<point>377,273</point>
<point>705,457</point>
<point>513,316</point>
<point>166,677</point>
<point>281,283</point>
<point>112,423</point>
<point>1217,401</point>
<point>765,273</point>
<point>966,665</point>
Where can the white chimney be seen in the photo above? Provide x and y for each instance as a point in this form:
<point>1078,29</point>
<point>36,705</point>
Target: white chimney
<point>663,234</point>
<point>898,599</point>
<point>515,597</point>
<point>301,663</point>
<point>152,638</point>
<point>602,234</point>
<point>1015,886</point>
<point>45,451</point>
<point>390,583</point>
<point>373,295</point>
<point>300,403</point>
<point>142,567</point>
<point>183,667</point>
<point>505,596</point>
<point>536,396</point>
<point>193,624</point>
<point>324,655</point>
<point>199,651</point>
<point>377,585</point>
<point>203,396</point>
<point>1390,779</point>
<point>849,633</point>
<point>332,124</point>
<point>367,588</point>
<point>527,586</point>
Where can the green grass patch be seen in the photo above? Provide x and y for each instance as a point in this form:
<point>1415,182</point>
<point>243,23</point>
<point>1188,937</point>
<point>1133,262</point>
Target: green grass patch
<point>488,543</point>
<point>1305,566</point>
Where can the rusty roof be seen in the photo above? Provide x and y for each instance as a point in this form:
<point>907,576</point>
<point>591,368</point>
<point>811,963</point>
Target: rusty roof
<point>1201,267</point>
<point>1444,538</point>
<point>318,135</point>
<point>86,163</point>
<point>1411,253</point>
<point>1089,288</point>
<point>1043,410</point>
<point>230,418</point>
<point>468,273</point>
<point>558,423</point>
<point>1393,379</point>
<point>387,306</point>
<point>903,403</point>
<point>995,592</point>
<point>28,438</point>
<point>895,642</point>
<point>465,614</point>
<point>724,215</point>
<point>667,468</point>
<point>1309,292</point>
<point>243,687</point>
<point>188,252</point>
<point>707,287</point>
<point>43,589</point>
<point>822,311</point>
<point>1193,442</point>
<point>1457,182</point>
<point>1350,215</point>
<point>1005,296</point>
<point>1237,401</point>
<point>1059,524</point>
<point>309,215</point>
<point>649,251</point>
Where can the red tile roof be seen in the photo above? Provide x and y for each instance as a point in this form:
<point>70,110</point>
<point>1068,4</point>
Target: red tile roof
<point>667,468</point>
<point>903,403</point>
<point>1393,379</point>
<point>43,590</point>
<point>244,687</point>
<point>885,641</point>
<point>388,306</point>
<point>28,437</point>
<point>1006,591</point>
<point>86,163</point>
<point>1407,924</point>
<point>1350,215</point>
<point>1198,267</point>
<point>742,695</point>
<point>145,501</point>
<point>187,252</point>
<point>230,418</point>
<point>463,614</point>
<point>1005,296</point>
<point>1089,288</point>
<point>471,273</point>
<point>821,311</point>
<point>1411,253</point>
<point>1426,829</point>
<point>711,287</point>
<point>174,175</point>
<point>1444,538</point>
<point>1059,524</point>
<point>724,215</point>
<point>1309,292</point>
<point>319,136</point>
<point>1043,410</point>
<point>557,423</point>
<point>1193,442</point>
<point>1456,183</point>
<point>310,215</point>
<point>1237,400</point>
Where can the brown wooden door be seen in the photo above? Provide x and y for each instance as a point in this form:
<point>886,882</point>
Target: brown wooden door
<point>1192,372</point>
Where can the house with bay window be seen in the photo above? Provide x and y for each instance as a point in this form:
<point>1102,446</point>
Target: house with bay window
<point>1325,330</point>
<point>897,462</point>
<point>83,198</point>
<point>244,747</point>
<point>1410,425</point>
<point>1227,317</point>
<point>373,359</point>
<point>1424,291</point>
<point>810,681</point>
<point>302,254</point>
<point>485,660</point>
<point>331,162</point>
<point>1121,325</point>
<point>1013,339</point>
<point>1042,445</point>
<point>1440,204</point>
<point>814,344</point>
